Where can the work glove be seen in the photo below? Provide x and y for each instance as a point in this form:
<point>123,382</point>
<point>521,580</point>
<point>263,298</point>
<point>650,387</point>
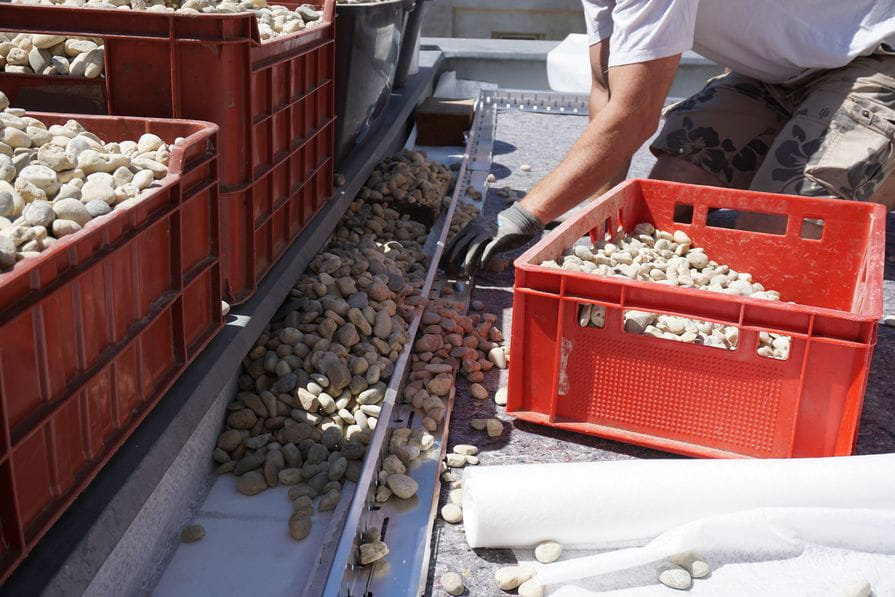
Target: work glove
<point>474,246</point>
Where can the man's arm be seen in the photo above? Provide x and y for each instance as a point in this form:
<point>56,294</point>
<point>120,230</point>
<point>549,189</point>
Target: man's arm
<point>599,98</point>
<point>615,132</point>
<point>599,73</point>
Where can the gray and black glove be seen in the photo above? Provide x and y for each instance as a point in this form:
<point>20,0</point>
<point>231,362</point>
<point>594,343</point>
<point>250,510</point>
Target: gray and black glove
<point>481,239</point>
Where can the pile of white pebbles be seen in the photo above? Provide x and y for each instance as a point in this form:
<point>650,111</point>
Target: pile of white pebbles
<point>669,258</point>
<point>79,56</point>
<point>54,180</point>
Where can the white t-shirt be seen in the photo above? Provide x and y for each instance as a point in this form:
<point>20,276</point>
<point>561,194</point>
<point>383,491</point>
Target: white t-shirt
<point>771,40</point>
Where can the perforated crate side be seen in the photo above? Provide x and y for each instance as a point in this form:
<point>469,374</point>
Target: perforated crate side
<point>692,399</point>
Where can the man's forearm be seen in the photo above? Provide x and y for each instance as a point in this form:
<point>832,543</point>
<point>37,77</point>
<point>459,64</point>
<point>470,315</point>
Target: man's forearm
<point>614,133</point>
<point>593,164</point>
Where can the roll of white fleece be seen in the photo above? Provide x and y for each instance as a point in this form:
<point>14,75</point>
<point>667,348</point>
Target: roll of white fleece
<point>628,502</point>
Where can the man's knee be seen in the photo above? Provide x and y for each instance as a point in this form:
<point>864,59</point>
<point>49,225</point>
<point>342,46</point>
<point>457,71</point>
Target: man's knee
<point>885,193</point>
<point>675,169</point>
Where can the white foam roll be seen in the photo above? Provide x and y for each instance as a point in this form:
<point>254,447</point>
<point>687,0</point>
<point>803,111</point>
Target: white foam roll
<point>625,502</point>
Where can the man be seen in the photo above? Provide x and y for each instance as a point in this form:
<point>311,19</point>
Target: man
<point>808,107</point>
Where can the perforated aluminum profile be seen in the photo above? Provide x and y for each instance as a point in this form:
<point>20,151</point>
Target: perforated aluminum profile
<point>406,525</point>
<point>537,101</point>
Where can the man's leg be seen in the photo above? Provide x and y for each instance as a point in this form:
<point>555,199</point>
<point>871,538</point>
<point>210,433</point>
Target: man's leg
<point>885,193</point>
<point>675,169</point>
<point>841,140</point>
<point>720,136</point>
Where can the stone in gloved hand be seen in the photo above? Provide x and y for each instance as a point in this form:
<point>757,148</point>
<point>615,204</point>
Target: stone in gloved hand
<point>474,246</point>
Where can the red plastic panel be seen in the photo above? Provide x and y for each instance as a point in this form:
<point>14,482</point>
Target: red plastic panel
<point>692,399</point>
<point>32,477</point>
<point>280,204</point>
<point>200,319</point>
<point>269,99</point>
<point>95,330</point>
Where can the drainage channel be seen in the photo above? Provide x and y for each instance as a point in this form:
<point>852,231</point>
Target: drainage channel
<point>406,525</point>
<point>251,551</point>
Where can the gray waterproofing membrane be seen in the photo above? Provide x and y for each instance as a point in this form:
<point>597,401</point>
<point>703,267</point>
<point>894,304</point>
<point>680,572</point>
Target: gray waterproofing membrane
<point>541,140</point>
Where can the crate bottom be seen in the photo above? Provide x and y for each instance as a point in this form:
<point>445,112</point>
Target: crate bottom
<point>627,437</point>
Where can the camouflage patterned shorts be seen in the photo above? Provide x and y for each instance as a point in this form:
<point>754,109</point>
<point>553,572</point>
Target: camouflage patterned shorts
<point>831,133</point>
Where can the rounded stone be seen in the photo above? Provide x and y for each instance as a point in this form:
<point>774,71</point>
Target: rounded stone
<point>452,513</point>
<point>62,227</point>
<point>494,427</point>
<point>548,551</point>
<point>39,213</point>
<point>531,588</point>
<point>230,440</point>
<point>251,483</point>
<point>149,142</point>
<point>699,569</point>
<point>455,460</point>
<point>7,252</point>
<point>466,449</point>
<point>73,210</point>
<point>7,205</point>
<point>371,552</point>
<point>697,260</point>
<point>299,525</point>
<point>97,208</point>
<point>500,397</point>
<point>143,179</point>
<point>73,47</point>
<point>96,190</point>
<point>674,577</point>
<point>191,533</point>
<point>403,486</point>
<point>242,419</point>
<point>452,583</point>
<point>510,577</point>
<point>55,157</point>
<point>42,177</point>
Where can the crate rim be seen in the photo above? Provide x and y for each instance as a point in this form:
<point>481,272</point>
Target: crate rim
<point>328,20</point>
<point>872,312</point>
<point>175,171</point>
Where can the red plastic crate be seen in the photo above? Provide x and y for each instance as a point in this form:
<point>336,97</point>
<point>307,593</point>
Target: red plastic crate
<point>273,101</point>
<point>96,329</point>
<point>699,400</point>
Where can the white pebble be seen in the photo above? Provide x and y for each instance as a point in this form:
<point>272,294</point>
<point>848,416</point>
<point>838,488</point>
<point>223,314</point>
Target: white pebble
<point>500,397</point>
<point>548,551</point>
<point>452,513</point>
<point>452,583</point>
<point>674,576</point>
<point>692,563</point>
<point>861,588</point>
<point>511,577</point>
<point>530,588</point>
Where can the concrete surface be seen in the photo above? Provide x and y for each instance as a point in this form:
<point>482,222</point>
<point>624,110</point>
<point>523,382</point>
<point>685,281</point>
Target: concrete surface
<point>526,19</point>
<point>154,531</point>
<point>247,548</point>
<point>540,141</point>
<point>522,64</point>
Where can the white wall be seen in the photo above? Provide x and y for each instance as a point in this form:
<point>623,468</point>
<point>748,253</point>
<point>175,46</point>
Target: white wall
<point>547,19</point>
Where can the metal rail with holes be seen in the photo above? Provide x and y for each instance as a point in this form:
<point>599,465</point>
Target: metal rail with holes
<point>406,525</point>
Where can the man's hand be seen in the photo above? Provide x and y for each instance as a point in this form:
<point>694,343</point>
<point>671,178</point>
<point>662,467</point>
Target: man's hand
<point>474,246</point>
